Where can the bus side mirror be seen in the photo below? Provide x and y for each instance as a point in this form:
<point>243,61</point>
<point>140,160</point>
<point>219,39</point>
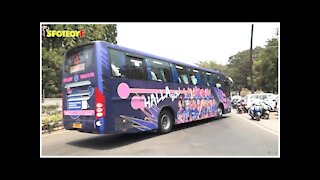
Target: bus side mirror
<point>229,82</point>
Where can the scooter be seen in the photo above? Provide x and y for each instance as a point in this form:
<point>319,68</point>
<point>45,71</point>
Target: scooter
<point>255,111</point>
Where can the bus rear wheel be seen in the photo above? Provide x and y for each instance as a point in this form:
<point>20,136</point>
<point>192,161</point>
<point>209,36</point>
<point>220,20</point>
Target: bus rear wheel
<point>165,122</point>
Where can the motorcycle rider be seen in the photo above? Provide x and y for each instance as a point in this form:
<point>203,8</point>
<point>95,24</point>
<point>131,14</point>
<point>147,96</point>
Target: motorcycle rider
<point>255,110</point>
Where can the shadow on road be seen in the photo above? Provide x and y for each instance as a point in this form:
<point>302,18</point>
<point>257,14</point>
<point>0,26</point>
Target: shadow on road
<point>105,142</point>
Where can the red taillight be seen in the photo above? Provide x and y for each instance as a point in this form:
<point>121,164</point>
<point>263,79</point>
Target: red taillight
<point>100,104</point>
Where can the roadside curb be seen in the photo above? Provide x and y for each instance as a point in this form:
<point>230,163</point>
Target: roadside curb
<point>52,128</point>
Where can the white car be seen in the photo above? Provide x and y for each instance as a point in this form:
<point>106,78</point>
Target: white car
<point>269,98</point>
<point>278,104</point>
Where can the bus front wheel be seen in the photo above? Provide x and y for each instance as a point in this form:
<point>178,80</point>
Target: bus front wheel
<point>220,111</point>
<point>165,122</point>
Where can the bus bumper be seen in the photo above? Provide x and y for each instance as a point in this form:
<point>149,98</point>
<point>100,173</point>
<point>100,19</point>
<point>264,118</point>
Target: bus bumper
<point>228,110</point>
<point>81,126</point>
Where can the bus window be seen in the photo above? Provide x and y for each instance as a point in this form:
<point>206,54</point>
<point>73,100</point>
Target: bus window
<point>227,84</point>
<point>78,59</point>
<point>174,72</point>
<point>203,78</point>
<point>160,71</point>
<point>215,79</point>
<point>219,79</point>
<point>210,81</point>
<point>117,60</point>
<point>194,76</point>
<point>182,75</point>
<point>135,68</point>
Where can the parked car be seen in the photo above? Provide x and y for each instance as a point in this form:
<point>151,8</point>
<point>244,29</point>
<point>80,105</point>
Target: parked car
<point>277,102</point>
<point>268,98</point>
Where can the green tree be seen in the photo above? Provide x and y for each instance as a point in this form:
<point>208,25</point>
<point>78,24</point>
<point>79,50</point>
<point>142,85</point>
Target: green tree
<point>238,67</point>
<point>53,50</point>
<point>266,68</point>
<point>212,65</point>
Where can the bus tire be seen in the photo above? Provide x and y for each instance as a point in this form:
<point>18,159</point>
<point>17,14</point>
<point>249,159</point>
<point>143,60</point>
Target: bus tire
<point>220,111</point>
<point>165,122</point>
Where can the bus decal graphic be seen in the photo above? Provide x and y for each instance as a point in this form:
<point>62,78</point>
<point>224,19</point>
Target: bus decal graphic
<point>68,79</point>
<point>79,112</point>
<point>76,78</point>
<point>87,75</point>
<point>139,102</point>
<point>193,104</point>
<point>222,97</point>
<point>149,122</point>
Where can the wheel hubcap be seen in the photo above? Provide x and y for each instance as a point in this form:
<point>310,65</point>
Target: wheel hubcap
<point>220,111</point>
<point>165,122</point>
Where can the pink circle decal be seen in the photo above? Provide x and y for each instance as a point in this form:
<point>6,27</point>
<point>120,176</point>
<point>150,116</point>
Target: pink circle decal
<point>123,90</point>
<point>137,102</point>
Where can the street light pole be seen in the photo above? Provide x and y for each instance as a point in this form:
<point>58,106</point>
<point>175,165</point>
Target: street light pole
<point>251,62</point>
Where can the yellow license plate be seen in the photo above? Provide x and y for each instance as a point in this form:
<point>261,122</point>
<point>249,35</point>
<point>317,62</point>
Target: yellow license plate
<point>77,125</point>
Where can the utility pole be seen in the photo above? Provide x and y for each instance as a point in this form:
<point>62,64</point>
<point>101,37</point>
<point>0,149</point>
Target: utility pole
<point>251,62</point>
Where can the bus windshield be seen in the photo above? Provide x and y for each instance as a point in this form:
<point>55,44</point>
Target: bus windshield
<point>79,59</point>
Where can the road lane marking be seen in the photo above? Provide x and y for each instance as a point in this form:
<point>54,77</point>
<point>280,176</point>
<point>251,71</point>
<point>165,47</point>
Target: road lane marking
<point>260,126</point>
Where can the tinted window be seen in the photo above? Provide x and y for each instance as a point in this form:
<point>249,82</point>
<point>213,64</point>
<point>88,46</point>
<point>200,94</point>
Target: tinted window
<point>216,79</point>
<point>183,75</point>
<point>227,85</point>
<point>203,78</point>
<point>79,59</point>
<point>262,97</point>
<point>135,68</point>
<point>160,71</point>
<point>195,77</point>
<point>117,61</point>
<point>127,66</point>
<point>210,81</point>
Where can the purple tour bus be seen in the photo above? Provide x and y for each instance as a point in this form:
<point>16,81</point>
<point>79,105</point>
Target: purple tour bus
<point>109,89</point>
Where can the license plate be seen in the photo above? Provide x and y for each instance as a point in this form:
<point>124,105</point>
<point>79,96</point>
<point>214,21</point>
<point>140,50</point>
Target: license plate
<point>77,125</point>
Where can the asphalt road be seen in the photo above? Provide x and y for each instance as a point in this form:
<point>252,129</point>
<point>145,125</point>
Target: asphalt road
<point>229,136</point>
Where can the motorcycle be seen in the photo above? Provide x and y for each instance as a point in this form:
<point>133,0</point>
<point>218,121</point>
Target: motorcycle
<point>234,103</point>
<point>241,107</point>
<point>255,111</point>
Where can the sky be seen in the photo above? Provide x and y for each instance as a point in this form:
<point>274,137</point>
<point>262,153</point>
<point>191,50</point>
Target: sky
<point>194,42</point>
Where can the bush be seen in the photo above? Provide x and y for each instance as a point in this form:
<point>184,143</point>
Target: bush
<point>46,119</point>
<point>49,108</point>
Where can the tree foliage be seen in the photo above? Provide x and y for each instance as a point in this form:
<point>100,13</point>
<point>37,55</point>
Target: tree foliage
<point>239,68</point>
<point>212,65</point>
<point>265,68</point>
<point>53,50</point>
